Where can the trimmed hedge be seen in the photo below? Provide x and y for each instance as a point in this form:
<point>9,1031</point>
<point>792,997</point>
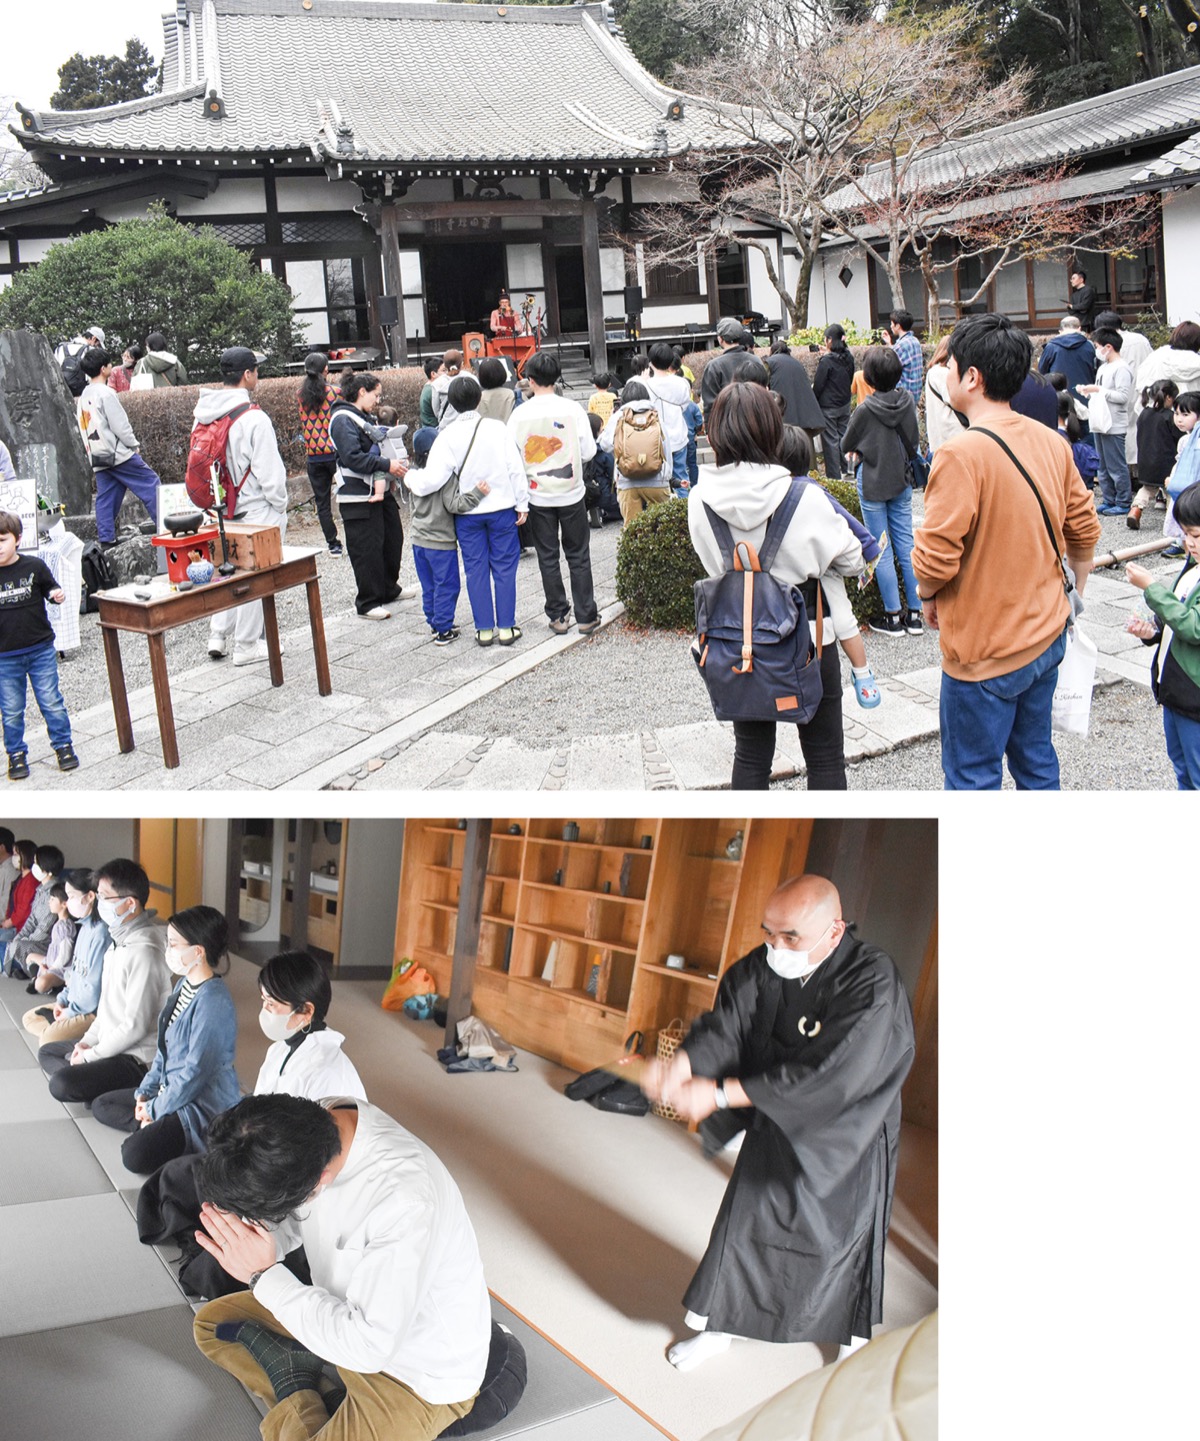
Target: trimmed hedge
<point>657,567</point>
<point>162,419</point>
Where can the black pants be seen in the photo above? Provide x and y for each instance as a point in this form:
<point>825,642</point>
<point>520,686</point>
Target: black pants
<point>321,470</point>
<point>820,740</point>
<point>546,523</point>
<point>374,540</point>
<point>86,1081</point>
<point>148,1147</point>
<point>832,434</point>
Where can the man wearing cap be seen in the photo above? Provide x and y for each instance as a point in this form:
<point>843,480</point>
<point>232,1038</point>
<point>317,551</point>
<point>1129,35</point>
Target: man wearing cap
<point>71,352</point>
<point>734,340</point>
<point>252,452</point>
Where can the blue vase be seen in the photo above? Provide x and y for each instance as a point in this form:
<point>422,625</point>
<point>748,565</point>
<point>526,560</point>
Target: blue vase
<point>200,572</point>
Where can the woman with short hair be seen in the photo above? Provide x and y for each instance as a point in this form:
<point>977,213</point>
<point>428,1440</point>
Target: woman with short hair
<point>315,400</point>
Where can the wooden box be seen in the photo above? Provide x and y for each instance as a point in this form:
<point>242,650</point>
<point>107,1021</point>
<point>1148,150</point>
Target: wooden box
<point>252,547</point>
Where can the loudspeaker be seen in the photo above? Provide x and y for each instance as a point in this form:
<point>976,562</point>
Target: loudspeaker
<point>633,300</point>
<point>389,310</point>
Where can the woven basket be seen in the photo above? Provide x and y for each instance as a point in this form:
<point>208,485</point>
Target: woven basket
<point>668,1043</point>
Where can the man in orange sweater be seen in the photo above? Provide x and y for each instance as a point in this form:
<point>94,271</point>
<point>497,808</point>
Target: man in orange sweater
<point>990,579</point>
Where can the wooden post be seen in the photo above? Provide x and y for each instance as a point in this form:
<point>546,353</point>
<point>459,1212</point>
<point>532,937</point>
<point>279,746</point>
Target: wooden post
<point>466,931</point>
<point>393,282</point>
<point>301,884</point>
<point>593,284</point>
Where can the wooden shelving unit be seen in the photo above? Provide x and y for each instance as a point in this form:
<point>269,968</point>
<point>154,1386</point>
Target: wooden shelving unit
<point>575,933</point>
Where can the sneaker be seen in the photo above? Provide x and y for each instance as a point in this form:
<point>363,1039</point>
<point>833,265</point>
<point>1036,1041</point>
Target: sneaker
<point>251,654</point>
<point>914,622</point>
<point>335,548</point>
<point>18,766</point>
<point>589,627</point>
<point>377,612</point>
<point>866,690</point>
<point>507,634</point>
<point>561,626</point>
<point>889,624</point>
<point>218,645</point>
<point>444,637</point>
<point>67,759</point>
<point>1110,510</point>
<point>1172,552</point>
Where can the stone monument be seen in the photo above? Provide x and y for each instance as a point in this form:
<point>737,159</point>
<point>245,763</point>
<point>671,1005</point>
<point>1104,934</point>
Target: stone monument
<point>37,422</point>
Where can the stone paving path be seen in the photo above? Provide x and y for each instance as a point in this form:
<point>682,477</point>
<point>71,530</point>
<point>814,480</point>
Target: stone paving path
<point>379,730</point>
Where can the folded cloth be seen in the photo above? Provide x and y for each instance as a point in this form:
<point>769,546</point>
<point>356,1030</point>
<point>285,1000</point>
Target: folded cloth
<point>62,552</point>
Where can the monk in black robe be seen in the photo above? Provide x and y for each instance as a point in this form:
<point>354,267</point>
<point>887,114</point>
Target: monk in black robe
<point>807,1048</point>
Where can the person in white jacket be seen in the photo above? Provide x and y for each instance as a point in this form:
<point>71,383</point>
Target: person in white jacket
<point>398,1301</point>
<point>116,1050</point>
<point>103,420</point>
<point>745,488</point>
<point>252,452</point>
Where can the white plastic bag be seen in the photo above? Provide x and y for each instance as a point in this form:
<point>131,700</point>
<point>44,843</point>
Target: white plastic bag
<point>144,381</point>
<point>1100,416</point>
<point>1072,706</point>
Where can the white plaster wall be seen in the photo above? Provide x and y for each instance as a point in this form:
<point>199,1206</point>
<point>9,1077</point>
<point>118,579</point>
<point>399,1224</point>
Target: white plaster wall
<point>830,300</point>
<point>612,269</point>
<point>410,272</point>
<point>129,210</point>
<point>763,295</point>
<point>231,197</point>
<point>5,281</point>
<point>1181,241</point>
<point>31,250</point>
<point>4,255</point>
<point>674,317</point>
<point>312,193</point>
<point>414,317</point>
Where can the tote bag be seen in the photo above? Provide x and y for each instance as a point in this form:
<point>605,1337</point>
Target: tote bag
<point>1071,708</point>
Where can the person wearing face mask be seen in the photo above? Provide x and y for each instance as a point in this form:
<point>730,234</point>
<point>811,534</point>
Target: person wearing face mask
<point>34,935</point>
<point>116,1049</point>
<point>805,1051</point>
<point>20,897</point>
<point>398,1301</point>
<point>191,1078</point>
<point>304,1059</point>
<point>8,872</point>
<point>74,1008</point>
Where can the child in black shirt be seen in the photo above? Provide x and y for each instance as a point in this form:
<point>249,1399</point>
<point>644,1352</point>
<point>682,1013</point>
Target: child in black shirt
<point>27,651</point>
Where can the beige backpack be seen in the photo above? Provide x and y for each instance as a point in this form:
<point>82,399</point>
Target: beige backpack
<point>639,450</point>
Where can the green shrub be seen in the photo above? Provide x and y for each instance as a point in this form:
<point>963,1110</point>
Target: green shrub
<point>657,567</point>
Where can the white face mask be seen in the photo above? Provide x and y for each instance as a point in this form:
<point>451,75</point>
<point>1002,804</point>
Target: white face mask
<point>39,875</point>
<point>275,1026</point>
<point>77,906</point>
<point>108,912</point>
<point>179,961</point>
<point>793,965</point>
<point>16,860</point>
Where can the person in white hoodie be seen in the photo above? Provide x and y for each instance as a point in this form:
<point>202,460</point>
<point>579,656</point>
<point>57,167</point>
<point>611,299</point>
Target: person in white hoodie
<point>103,420</point>
<point>117,1048</point>
<point>305,1058</point>
<point>252,452</point>
<point>670,393</point>
<point>1114,380</point>
<point>745,488</point>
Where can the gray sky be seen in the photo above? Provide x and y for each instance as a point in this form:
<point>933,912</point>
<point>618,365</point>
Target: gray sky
<point>42,36</point>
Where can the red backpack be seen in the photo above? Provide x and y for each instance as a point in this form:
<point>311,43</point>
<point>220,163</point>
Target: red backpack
<point>208,481</point>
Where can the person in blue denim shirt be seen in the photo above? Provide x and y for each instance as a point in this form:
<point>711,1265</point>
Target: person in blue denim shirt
<point>27,654</point>
<point>908,351</point>
<point>191,1078</point>
<point>74,1008</point>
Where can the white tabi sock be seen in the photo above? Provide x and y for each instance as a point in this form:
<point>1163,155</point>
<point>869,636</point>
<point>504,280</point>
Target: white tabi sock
<point>687,1355</point>
<point>856,1342</point>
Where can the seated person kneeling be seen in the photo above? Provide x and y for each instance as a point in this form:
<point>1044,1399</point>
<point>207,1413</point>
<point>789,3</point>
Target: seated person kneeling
<point>398,1301</point>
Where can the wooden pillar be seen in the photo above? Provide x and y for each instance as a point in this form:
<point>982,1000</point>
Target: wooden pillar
<point>466,930</point>
<point>301,884</point>
<point>550,286</point>
<point>393,282</point>
<point>593,284</point>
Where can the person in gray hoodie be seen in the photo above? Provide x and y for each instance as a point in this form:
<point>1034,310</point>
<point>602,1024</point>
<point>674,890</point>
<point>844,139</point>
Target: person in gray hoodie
<point>110,438</point>
<point>117,1048</point>
<point>879,441</point>
<point>160,364</point>
<point>253,452</point>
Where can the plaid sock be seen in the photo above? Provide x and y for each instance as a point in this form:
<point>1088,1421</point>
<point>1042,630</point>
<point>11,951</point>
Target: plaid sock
<point>289,1366</point>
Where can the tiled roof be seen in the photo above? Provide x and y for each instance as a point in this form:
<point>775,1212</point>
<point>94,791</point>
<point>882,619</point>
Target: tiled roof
<point>374,81</point>
<point>1134,116</point>
<point>1178,164</point>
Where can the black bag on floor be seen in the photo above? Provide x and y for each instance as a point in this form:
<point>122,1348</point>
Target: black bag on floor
<point>97,575</point>
<point>607,1092</point>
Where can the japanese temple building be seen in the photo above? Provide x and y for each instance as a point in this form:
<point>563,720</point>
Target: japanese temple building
<point>397,164</point>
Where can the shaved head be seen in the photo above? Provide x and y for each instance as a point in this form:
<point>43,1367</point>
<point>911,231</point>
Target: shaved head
<point>802,912</point>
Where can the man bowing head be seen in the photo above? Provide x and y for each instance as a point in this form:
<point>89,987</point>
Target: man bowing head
<point>806,1050</point>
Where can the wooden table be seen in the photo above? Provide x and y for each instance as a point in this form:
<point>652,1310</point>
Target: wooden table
<point>121,609</point>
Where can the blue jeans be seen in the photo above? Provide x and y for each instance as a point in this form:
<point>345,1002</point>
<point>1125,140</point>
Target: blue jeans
<point>491,548</point>
<point>1009,715</point>
<point>40,666</point>
<point>894,516</point>
<point>1115,485</point>
<point>111,484</point>
<point>1183,747</point>
<point>437,571</point>
<point>679,473</point>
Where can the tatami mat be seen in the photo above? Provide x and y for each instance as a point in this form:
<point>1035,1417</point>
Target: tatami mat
<point>26,1098</point>
<point>46,1161</point>
<point>129,1378</point>
<point>106,1146</point>
<point>72,1261</point>
<point>14,1053</point>
<point>14,998</point>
